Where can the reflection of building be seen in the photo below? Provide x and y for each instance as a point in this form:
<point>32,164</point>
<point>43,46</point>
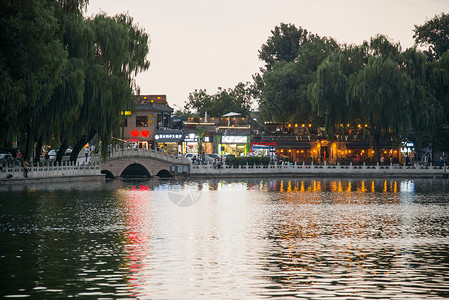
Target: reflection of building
<point>151,115</point>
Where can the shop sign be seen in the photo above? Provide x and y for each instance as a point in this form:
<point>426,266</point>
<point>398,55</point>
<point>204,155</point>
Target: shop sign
<point>191,137</point>
<point>168,136</point>
<point>206,139</point>
<point>233,139</point>
<point>136,133</point>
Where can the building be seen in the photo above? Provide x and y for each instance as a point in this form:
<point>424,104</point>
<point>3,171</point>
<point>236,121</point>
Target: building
<point>148,126</point>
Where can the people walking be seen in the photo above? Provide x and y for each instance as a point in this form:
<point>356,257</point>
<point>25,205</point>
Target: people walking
<point>86,152</point>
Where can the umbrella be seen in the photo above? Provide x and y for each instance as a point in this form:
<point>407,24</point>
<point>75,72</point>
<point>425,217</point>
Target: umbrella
<point>232,114</point>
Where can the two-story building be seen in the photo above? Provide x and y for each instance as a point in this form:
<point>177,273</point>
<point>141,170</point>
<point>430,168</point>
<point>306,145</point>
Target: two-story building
<point>148,126</point>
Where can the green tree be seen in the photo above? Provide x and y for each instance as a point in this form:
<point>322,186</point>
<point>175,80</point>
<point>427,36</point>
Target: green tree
<point>434,34</point>
<point>32,58</point>
<point>378,85</point>
<point>237,99</point>
<point>284,95</point>
<point>426,111</point>
<point>119,53</point>
<point>283,45</point>
<point>382,91</point>
<point>328,91</point>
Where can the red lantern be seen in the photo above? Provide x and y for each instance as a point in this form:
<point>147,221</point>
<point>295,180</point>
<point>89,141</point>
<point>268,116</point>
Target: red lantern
<point>144,133</point>
<point>135,133</point>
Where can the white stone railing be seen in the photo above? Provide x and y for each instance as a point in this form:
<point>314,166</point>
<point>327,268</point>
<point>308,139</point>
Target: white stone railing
<point>119,152</point>
<point>52,169</point>
<point>298,169</point>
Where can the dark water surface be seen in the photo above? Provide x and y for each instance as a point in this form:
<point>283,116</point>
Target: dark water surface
<point>226,239</point>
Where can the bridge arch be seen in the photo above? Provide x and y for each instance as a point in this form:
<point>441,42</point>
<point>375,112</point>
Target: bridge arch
<point>135,170</point>
<point>108,174</point>
<point>164,174</point>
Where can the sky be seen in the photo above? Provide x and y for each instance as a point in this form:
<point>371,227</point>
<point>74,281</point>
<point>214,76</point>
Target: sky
<point>206,44</point>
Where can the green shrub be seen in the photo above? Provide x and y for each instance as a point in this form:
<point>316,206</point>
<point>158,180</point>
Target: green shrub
<point>251,160</point>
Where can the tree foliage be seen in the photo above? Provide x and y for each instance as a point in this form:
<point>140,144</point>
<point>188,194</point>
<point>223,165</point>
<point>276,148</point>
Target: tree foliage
<point>284,95</point>
<point>69,76</point>
<point>434,34</point>
<point>237,99</point>
<point>284,44</point>
<point>378,85</point>
<point>31,60</point>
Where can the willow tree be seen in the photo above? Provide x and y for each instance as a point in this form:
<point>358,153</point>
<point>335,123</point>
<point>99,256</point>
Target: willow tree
<point>31,60</point>
<point>54,124</point>
<point>328,91</point>
<point>383,91</point>
<point>118,54</point>
<point>426,111</point>
<point>440,84</point>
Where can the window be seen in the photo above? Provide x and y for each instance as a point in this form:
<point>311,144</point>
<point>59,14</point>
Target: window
<point>142,121</point>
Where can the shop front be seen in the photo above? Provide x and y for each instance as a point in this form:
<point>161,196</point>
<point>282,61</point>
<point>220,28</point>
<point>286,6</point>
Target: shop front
<point>137,143</point>
<point>208,144</point>
<point>190,143</point>
<point>169,143</point>
<point>263,149</point>
<point>296,152</point>
<point>234,144</point>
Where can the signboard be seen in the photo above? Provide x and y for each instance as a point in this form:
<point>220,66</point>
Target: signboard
<point>168,136</point>
<point>234,139</point>
<point>191,137</point>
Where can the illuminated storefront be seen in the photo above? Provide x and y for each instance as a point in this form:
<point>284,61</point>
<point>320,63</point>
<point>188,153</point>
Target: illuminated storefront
<point>169,143</point>
<point>263,149</point>
<point>234,144</point>
<point>190,143</point>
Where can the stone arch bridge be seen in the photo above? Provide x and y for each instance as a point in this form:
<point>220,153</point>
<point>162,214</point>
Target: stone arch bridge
<point>143,163</point>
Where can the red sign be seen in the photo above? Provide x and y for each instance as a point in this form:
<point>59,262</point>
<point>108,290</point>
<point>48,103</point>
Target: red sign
<point>134,133</point>
<point>144,133</point>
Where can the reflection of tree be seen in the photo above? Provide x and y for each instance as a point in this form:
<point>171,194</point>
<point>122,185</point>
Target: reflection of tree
<point>64,243</point>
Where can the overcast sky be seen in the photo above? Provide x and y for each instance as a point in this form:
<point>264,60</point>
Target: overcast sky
<point>205,44</point>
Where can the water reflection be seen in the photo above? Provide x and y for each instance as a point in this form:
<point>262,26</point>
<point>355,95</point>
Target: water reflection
<point>296,237</point>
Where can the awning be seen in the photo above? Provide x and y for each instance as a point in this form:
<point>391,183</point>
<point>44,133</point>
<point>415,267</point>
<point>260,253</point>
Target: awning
<point>132,140</point>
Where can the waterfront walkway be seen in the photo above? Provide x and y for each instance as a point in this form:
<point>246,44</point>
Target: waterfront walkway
<point>93,171</point>
<point>320,170</point>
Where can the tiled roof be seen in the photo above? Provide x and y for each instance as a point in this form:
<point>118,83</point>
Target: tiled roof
<point>154,107</point>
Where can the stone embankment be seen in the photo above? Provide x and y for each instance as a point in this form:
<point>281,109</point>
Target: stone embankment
<point>51,173</point>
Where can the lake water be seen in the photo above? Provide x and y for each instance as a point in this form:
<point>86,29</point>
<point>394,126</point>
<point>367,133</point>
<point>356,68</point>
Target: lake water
<point>226,239</point>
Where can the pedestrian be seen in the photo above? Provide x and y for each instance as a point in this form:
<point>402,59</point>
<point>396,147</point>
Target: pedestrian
<point>26,168</point>
<point>19,156</point>
<point>86,152</point>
